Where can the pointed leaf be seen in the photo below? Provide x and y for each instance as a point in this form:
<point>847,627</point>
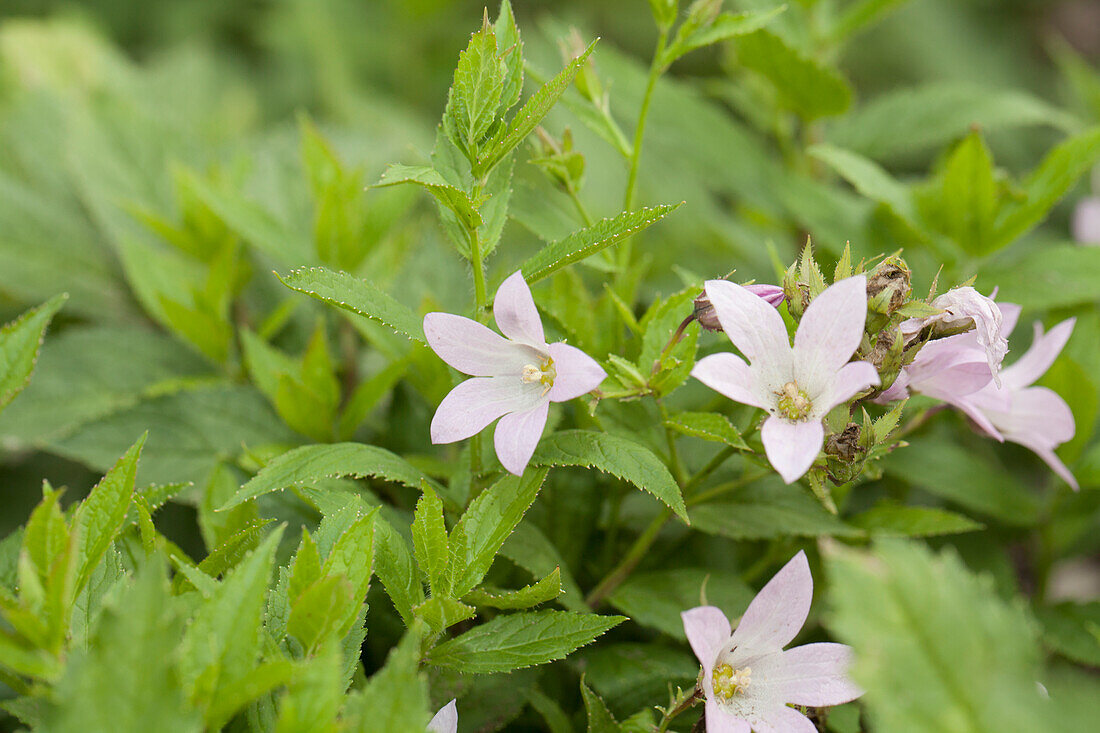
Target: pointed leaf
<point>430,543</point>
<point>20,341</point>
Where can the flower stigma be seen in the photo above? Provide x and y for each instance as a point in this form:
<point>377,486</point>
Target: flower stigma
<point>540,374</point>
<point>793,403</point>
<point>729,681</point>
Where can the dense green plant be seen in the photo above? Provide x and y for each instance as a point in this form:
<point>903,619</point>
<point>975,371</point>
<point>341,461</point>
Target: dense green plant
<point>237,309</point>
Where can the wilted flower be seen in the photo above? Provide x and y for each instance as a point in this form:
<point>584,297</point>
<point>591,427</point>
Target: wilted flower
<point>888,286</point>
<point>515,378</point>
<point>748,679</point>
<point>799,385</point>
<point>446,720</point>
<point>704,311</point>
<point>964,309</point>
<point>1086,221</point>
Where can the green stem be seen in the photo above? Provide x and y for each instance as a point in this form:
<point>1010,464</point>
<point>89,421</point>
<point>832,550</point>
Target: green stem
<point>727,487</point>
<point>686,703</point>
<point>674,462</point>
<point>710,468</point>
<point>655,70</point>
<point>579,205</point>
<point>474,236</point>
<point>630,561</point>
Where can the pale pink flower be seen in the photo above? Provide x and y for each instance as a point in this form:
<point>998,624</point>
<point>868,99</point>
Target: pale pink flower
<point>799,385</point>
<point>446,720</point>
<point>704,311</point>
<point>748,680</point>
<point>515,378</point>
<point>1086,221</point>
<point>772,294</point>
<point>963,306</point>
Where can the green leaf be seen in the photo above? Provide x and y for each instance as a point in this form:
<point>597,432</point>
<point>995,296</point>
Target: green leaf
<point>454,199</point>
<point>20,341</point>
<point>618,456</point>
<point>98,520</point>
<point>314,697</point>
<point>724,27</point>
<point>27,660</point>
<point>475,95</point>
<point>46,533</point>
<point>127,678</point>
<point>441,612</point>
<point>968,196</point>
<point>308,464</point>
<point>529,549</point>
<point>869,178</point>
<point>935,647</point>
<point>544,590</point>
<point>531,113</point>
<point>358,296</point>
<point>708,426</point>
<point>1051,276</point>
<point>858,15</point>
<point>352,555</point>
<point>1048,183</point>
<point>486,524</point>
<point>430,543</point>
<point>895,520</point>
<point>253,686</point>
<point>600,719</point>
<point>767,513</point>
<point>657,598</point>
<point>396,697</point>
<point>590,240</point>
<point>396,569</point>
<point>519,640</point>
<point>510,48</point>
<point>223,642</point>
<point>951,471</point>
<point>931,116</point>
<point>808,88</point>
<point>1073,629</point>
<point>320,613</point>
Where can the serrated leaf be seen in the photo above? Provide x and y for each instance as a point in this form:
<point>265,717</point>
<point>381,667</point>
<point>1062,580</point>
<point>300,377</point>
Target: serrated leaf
<point>258,682</point>
<point>529,549</point>
<point>430,543</point>
<point>936,648</point>
<point>531,113</point>
<point>454,199</point>
<point>358,296</point>
<point>100,516</point>
<point>308,464</point>
<point>519,640</point>
<point>510,49</point>
<point>615,455</point>
<point>395,698</point>
<point>708,426</point>
<point>441,613</point>
<point>600,719</point>
<point>475,95</point>
<point>808,88</point>
<point>894,520</point>
<point>397,571</point>
<point>320,612</point>
<point>724,27</point>
<point>486,524</point>
<point>590,240</point>
<point>314,697</point>
<point>46,532</point>
<point>305,569</point>
<point>544,590</point>
<point>766,513</point>
<point>352,555</point>
<point>20,341</point>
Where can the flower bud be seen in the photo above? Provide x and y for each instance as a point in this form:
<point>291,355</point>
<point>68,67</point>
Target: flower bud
<point>845,444</point>
<point>708,319</point>
<point>888,286</point>
<point>888,356</point>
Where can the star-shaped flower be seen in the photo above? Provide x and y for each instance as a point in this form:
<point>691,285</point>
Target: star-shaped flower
<point>798,385</point>
<point>515,378</point>
<point>446,720</point>
<point>748,680</point>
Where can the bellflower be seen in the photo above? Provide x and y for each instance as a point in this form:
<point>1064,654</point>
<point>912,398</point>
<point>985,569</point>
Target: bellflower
<point>704,311</point>
<point>962,307</point>
<point>516,377</point>
<point>798,385</point>
<point>446,720</point>
<point>1086,221</point>
<point>748,680</point>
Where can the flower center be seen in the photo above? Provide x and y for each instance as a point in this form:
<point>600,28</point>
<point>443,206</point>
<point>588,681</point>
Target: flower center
<point>543,373</point>
<point>793,402</point>
<point>729,681</point>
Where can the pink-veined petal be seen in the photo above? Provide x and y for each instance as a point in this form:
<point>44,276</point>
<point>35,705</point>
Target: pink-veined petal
<point>517,434</point>
<point>472,405</point>
<point>791,447</point>
<point>1010,316</point>
<point>729,375</point>
<point>815,675</point>
<point>853,377</point>
<point>474,349</point>
<point>831,328</point>
<point>1035,362</point>
<point>778,611</point>
<point>707,630</point>
<point>577,372</point>
<point>515,312</point>
<point>446,720</point>
<point>753,326</point>
<point>782,719</point>
<point>719,721</point>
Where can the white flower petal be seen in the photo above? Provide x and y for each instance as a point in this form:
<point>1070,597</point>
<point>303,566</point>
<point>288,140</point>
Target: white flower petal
<point>791,447</point>
<point>1045,348</point>
<point>577,372</point>
<point>515,312</point>
<point>753,326</point>
<point>446,720</point>
<point>475,403</point>
<point>815,675</point>
<point>517,434</point>
<point>782,720</point>
<point>719,721</point>
<point>474,349</point>
<point>778,611</point>
<point>830,330</point>
<point>729,375</point>
<point>707,630</point>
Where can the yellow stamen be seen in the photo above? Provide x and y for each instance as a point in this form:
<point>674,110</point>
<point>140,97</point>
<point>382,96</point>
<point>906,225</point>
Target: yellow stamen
<point>728,681</point>
<point>544,374</point>
<point>793,403</point>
